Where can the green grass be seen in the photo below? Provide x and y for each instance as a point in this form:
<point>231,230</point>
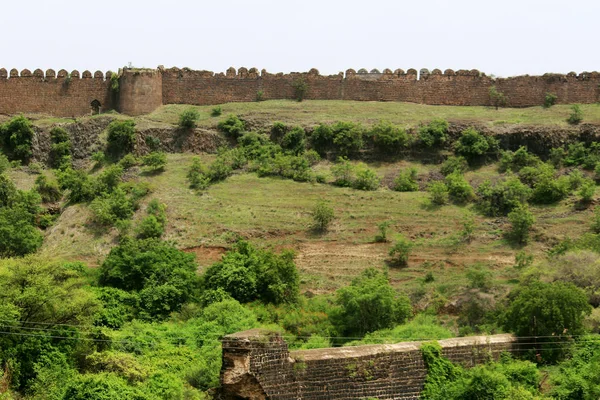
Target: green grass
<point>312,112</point>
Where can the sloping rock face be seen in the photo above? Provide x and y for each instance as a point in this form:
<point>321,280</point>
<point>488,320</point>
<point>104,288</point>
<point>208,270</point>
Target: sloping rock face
<point>257,365</point>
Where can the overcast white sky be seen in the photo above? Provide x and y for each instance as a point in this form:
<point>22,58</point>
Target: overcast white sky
<point>504,38</point>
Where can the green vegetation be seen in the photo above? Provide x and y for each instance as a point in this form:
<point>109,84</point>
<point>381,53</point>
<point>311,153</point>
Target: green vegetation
<point>576,115</point>
<point>550,100</point>
<point>189,118</point>
<point>497,98</point>
<point>136,274</point>
<point>16,136</point>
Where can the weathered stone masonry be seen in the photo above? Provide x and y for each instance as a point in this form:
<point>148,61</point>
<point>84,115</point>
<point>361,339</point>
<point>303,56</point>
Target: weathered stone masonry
<point>258,365</point>
<point>143,90</point>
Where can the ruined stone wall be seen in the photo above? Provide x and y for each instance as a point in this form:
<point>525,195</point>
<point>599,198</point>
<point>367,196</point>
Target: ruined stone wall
<point>257,365</point>
<point>59,94</point>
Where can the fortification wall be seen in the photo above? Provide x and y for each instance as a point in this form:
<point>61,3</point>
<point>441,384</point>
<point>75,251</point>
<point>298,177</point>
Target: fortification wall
<point>142,91</point>
<point>258,365</point>
<point>60,94</point>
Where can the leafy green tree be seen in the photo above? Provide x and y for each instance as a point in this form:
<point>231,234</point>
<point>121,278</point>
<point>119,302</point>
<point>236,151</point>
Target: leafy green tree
<point>198,175</point>
<point>438,193</point>
<point>459,188</point>
<point>546,309</point>
<point>321,139</point>
<point>37,295</point>
<point>503,197</point>
<point>80,186</point>
<point>368,304</point>
<point>344,172</point>
<point>347,137</point>
<point>497,98</point>
<point>576,115</point>
<point>248,273</point>
<point>4,164</point>
<point>121,137</point>
<point>189,118</point>
<point>578,377</point>
<point>473,144</point>
<point>366,179</point>
<point>521,221</point>
<point>60,148</point>
<point>48,189</point>
<point>452,164</point>
<point>164,277</point>
<point>16,136</point>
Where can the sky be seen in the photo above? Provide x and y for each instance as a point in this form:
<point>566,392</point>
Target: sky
<point>501,38</point>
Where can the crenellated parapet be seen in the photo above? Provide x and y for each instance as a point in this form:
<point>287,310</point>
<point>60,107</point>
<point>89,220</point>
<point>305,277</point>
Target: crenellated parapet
<point>65,93</point>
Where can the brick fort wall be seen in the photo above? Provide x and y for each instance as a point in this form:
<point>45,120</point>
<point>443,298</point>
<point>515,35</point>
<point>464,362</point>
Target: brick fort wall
<point>257,365</point>
<point>143,90</point>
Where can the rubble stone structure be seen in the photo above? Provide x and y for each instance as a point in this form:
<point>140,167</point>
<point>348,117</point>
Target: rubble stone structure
<point>141,91</point>
<point>257,365</point>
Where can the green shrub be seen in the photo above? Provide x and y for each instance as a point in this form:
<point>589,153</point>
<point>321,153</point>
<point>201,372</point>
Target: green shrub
<point>557,157</point>
<point>152,142</point>
<point>110,208</point>
<point>434,134</point>
<point>521,221</point>
<point>248,273</point>
<point>99,158</point>
<point>578,377</point>
<point>550,190</point>
<point>550,100</point>
<point>163,277</point>
<point>343,172</point>
<point>4,164</point>
<point>576,115</point>
<point>294,140</point>
<point>16,136</point>
<point>49,190</point>
<point>260,95</point>
<point>497,98</point>
<point>514,161</point>
<point>458,163</point>
<point>347,137</point>
<point>300,88</point>
<point>219,170</point>
<point>60,147</point>
<point>533,175</point>
<point>109,179</point>
<point>150,227</point>
<point>368,304</point>
<point>80,186</point>
<point>121,137</point>
<point>232,126</point>
<point>473,144</point>
<point>406,181</point>
<point>479,277</point>
<point>128,161</point>
<point>438,193</point>
<point>321,138</point>
<point>458,188</point>
<point>388,138</point>
<point>381,237</point>
<point>216,111</point>
<point>18,234</point>
<point>596,221</point>
<point>197,175</point>
<point>587,191</point>
<point>366,179</point>
<point>189,118</point>
<point>400,251</point>
<point>155,161</point>
<point>322,216</point>
<point>502,197</point>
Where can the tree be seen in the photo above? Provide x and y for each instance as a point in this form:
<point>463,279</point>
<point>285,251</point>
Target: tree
<point>389,139</point>
<point>434,134</point>
<point>546,309</point>
<point>497,98</point>
<point>155,161</point>
<point>400,251</point>
<point>322,215</point>
<point>248,273</point>
<point>472,144</point>
<point>16,136</point>
<point>163,277</point>
<point>294,140</point>
<point>406,181</point>
<point>521,220</point>
<point>368,304</point>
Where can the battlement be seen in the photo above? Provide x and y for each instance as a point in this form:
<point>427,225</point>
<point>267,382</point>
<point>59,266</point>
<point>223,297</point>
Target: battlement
<point>143,90</point>
<point>258,365</point>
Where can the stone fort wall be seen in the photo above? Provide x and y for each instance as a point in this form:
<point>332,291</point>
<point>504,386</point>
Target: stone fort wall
<point>257,365</point>
<point>143,90</point>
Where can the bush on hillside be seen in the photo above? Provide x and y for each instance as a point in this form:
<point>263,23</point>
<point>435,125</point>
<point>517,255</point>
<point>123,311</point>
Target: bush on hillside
<point>366,179</point>
<point>435,134</point>
<point>121,137</point>
<point>233,127</point>
<point>406,181</point>
<point>347,137</point>
<point>550,100</point>
<point>400,251</point>
<point>189,118</point>
<point>389,139</point>
<point>473,144</point>
<point>343,172</point>
<point>321,139</point>
<point>60,148</point>
<point>155,161</point>
<point>514,161</point>
<point>248,273</point>
<point>197,175</point>
<point>438,193</point>
<point>576,115</point>
<point>48,189</point>
<point>503,197</point>
<point>521,221</point>
<point>458,163</point>
<point>16,136</point>
<point>369,304</point>
<point>322,215</point>
<point>459,188</point>
<point>294,141</point>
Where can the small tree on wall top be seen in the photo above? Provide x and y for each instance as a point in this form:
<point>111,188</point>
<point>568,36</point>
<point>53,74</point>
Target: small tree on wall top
<point>497,98</point>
